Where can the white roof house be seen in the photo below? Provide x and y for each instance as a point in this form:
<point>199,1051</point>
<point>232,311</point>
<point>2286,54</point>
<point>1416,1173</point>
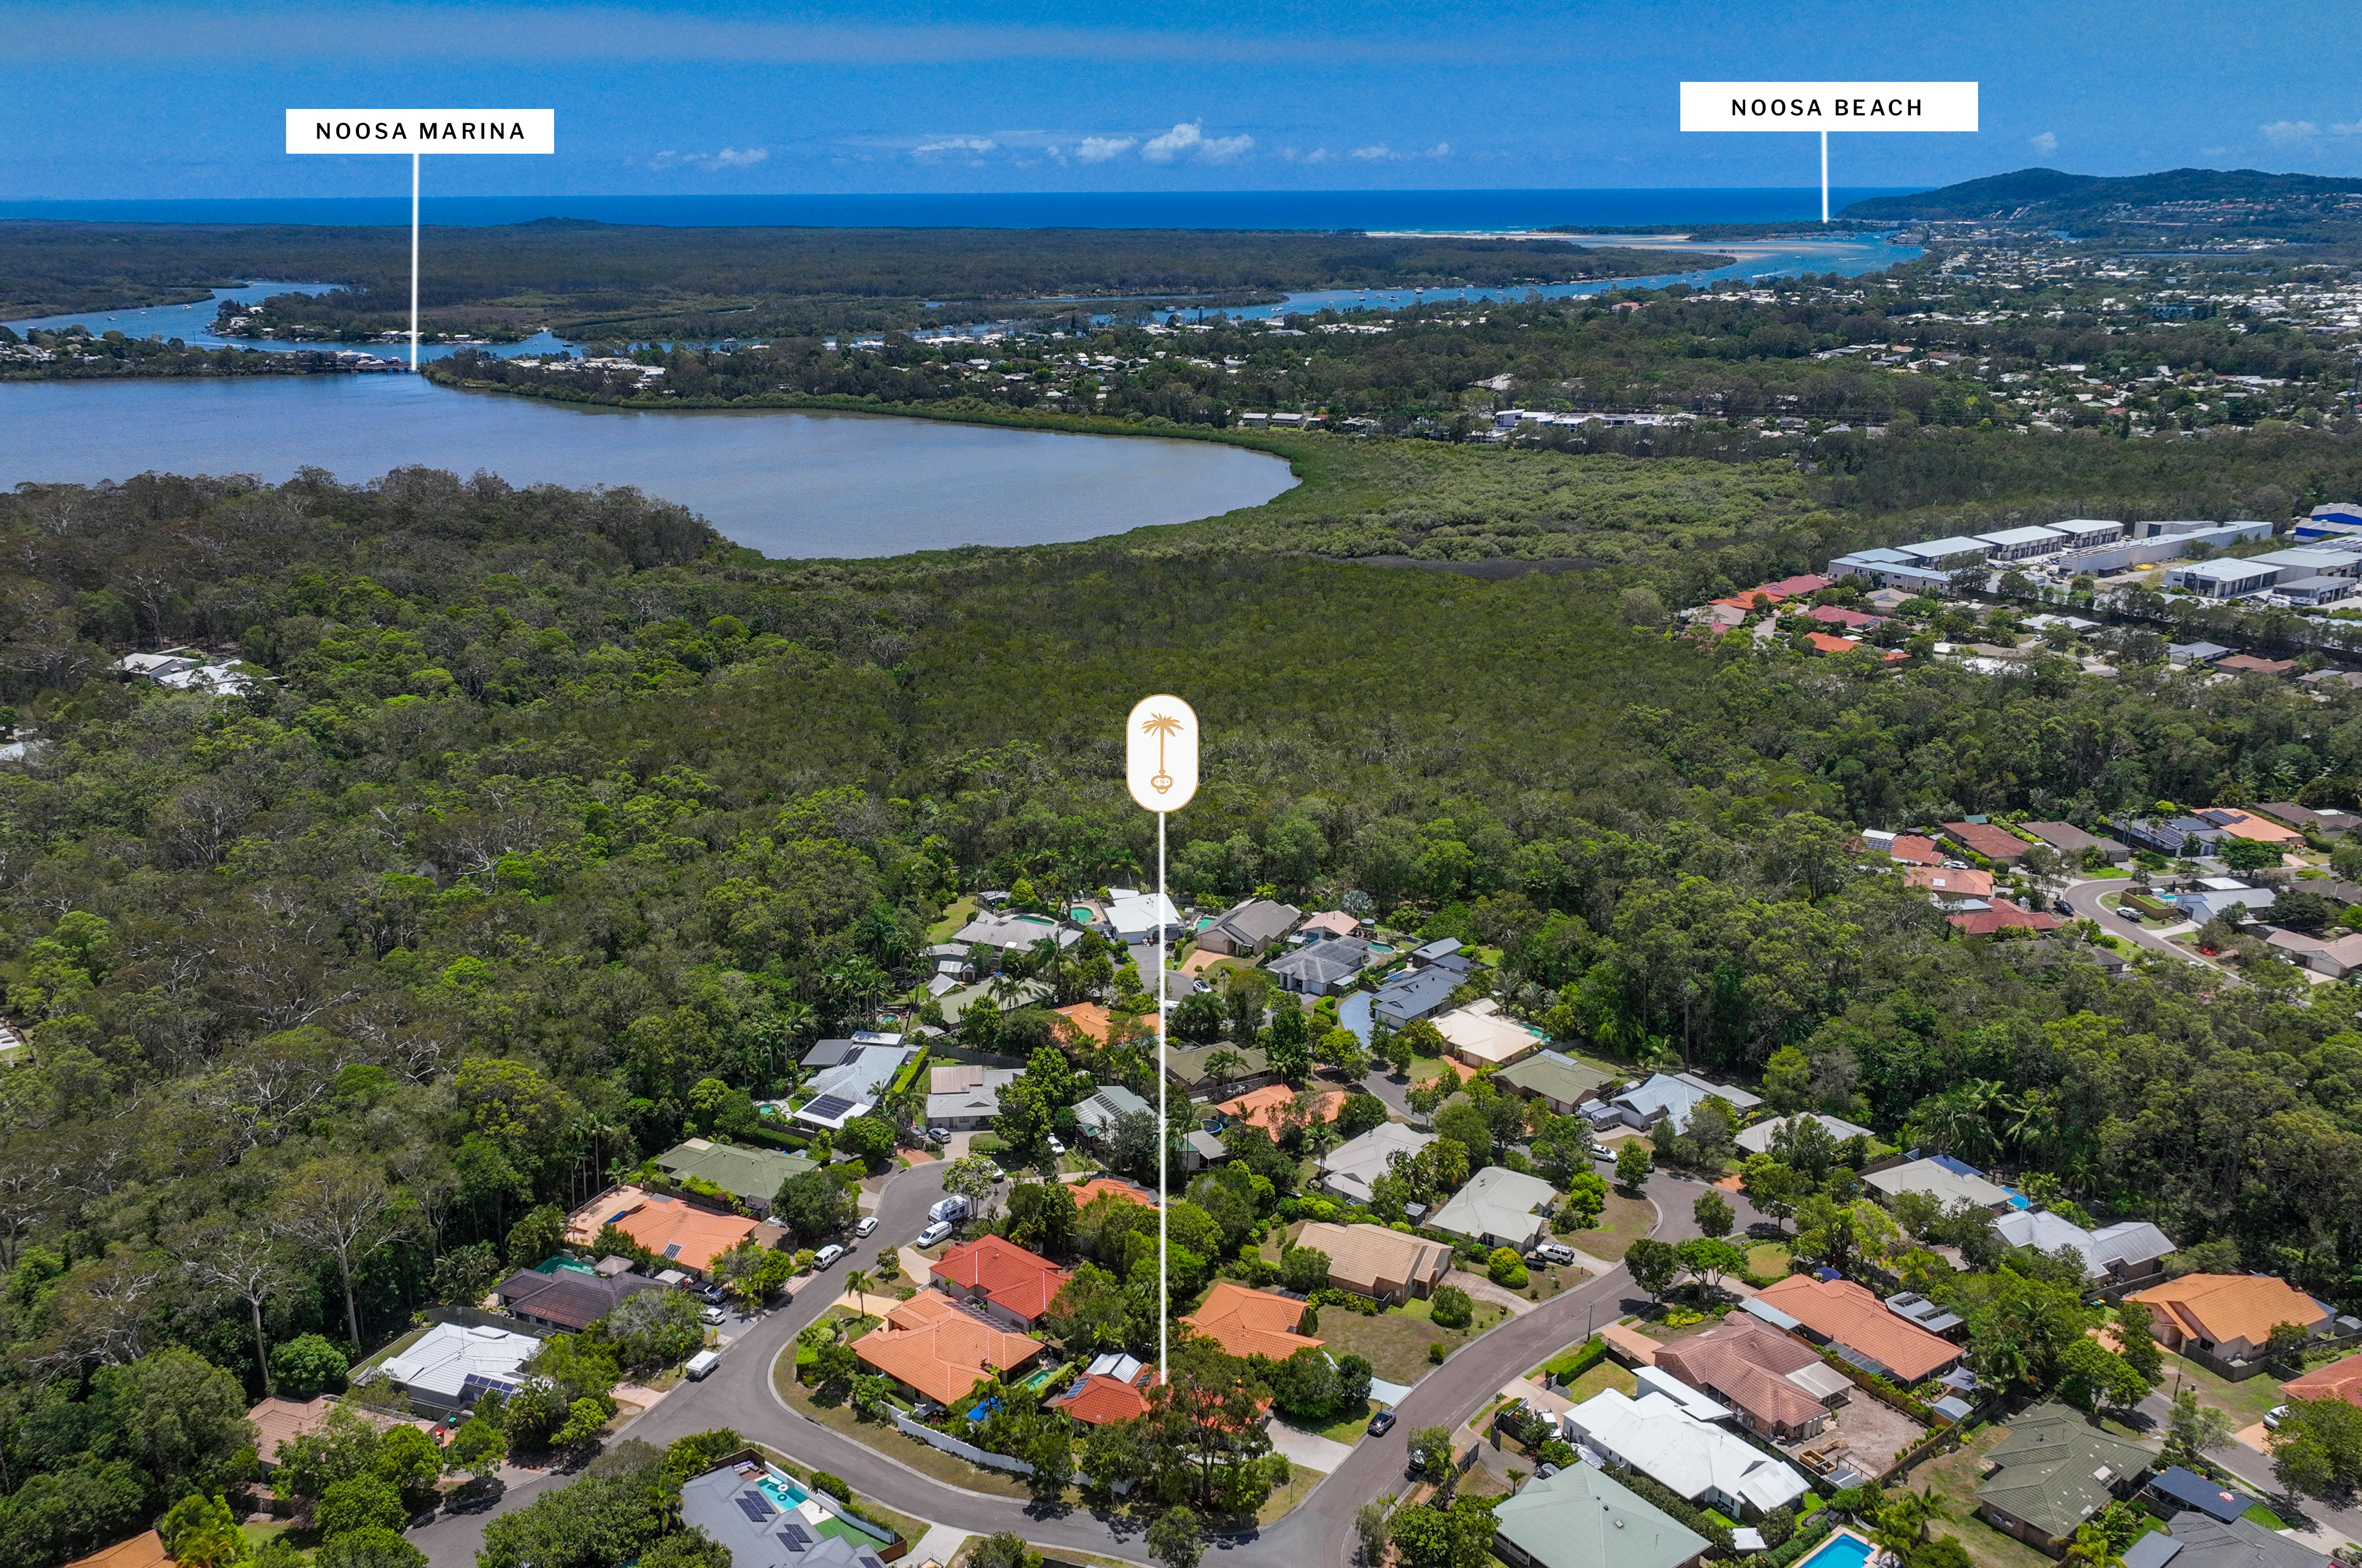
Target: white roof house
<point>1702,1462</point>
<point>450,1364</point>
<point>853,1087</point>
<point>1134,915</point>
<point>1939,1181</point>
<point>1757,1140</point>
<point>1348,1169</point>
<point>1481,1036</point>
<point>1015,932</point>
<point>2128,1249</point>
<point>1675,1095</point>
<point>1499,1207</point>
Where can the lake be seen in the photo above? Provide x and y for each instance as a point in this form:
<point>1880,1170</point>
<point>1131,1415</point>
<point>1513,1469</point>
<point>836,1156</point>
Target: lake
<point>790,484</point>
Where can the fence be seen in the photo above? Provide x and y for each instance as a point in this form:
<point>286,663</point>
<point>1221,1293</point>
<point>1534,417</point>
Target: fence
<point>967,1451</point>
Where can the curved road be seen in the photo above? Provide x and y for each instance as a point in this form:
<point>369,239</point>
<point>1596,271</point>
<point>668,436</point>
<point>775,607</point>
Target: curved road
<point>2084,898</point>
<point>1319,1531</point>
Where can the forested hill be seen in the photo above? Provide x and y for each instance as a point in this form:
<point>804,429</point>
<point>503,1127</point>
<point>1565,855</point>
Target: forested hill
<point>2202,198</point>
<point>646,281</point>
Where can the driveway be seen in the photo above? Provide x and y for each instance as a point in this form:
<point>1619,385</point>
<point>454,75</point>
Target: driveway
<point>1316,1534</point>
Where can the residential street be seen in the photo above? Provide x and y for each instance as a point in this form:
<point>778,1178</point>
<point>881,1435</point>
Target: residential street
<point>2084,898</point>
<point>1316,1534</point>
<point>2255,1469</point>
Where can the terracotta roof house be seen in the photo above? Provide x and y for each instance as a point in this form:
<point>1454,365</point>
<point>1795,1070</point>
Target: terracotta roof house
<point>2246,825</point>
<point>937,1348</point>
<point>1109,1390</point>
<point>2228,1316</point>
<point>1108,1187</point>
<point>1946,884</point>
<point>2002,915</point>
<point>2241,663</point>
<point>1787,588</point>
<point>567,1298</point>
<point>145,1549</point>
<point>1322,924</point>
<point>277,1420</point>
<point>1993,843</point>
<point>1251,1322</point>
<point>1384,1265</point>
<point>999,1278</point>
<point>1851,619</point>
<point>1857,1325</point>
<point>1780,1388</point>
<point>1084,1021</point>
<point>1822,642</point>
<point>1250,927</point>
<point>2338,1380</point>
<point>1266,1107</point>
<point>2053,1472</point>
<point>1912,849</point>
<point>687,1237</point>
<point>1582,1519</point>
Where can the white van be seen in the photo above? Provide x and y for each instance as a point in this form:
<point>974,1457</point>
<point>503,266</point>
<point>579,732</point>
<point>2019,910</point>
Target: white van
<point>701,1364</point>
<point>827,1255</point>
<point>952,1207</point>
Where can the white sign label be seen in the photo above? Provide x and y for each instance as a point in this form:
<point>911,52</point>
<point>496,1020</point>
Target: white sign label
<point>439,131</point>
<point>1828,105</point>
<point>1160,753</point>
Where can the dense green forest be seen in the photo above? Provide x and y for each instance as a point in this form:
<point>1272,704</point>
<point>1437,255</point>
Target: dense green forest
<point>581,277</point>
<point>555,803</point>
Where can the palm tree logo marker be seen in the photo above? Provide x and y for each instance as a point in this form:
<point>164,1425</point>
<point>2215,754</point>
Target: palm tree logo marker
<point>1161,725</point>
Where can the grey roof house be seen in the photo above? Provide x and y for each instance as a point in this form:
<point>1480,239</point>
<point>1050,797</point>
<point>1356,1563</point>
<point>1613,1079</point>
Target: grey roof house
<point>963,1095</point>
<point>1015,932</point>
<point>1348,1169</point>
<point>1188,1068</point>
<point>1250,927</point>
<point>1499,1207</point>
<point>1556,1079</point>
<point>1320,969</point>
<point>2131,1250</point>
<point>1098,1114</point>
<point>767,1520</point>
<point>2053,1472</point>
<point>1673,1096</point>
<point>852,1088</point>
<point>1581,1517</point>
<point>1757,1140</point>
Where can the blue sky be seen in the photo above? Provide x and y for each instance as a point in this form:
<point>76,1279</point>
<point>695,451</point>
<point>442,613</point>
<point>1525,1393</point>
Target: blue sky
<point>185,100</point>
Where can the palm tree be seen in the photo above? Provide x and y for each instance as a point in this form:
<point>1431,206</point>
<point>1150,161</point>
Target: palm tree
<point>1161,725</point>
<point>858,1282</point>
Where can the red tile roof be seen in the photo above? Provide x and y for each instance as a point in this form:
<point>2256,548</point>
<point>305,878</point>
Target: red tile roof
<point>940,1348</point>
<point>1108,1187</point>
<point>2227,1307</point>
<point>1748,1364</point>
<point>1788,588</point>
<point>1993,843</point>
<point>1913,850</point>
<point>2261,666</point>
<point>1848,1314</point>
<point>1095,1402</point>
<point>1830,615</point>
<point>1020,1282</point>
<point>1829,645</point>
<point>1954,884</point>
<point>1251,1322</point>
<point>2003,916</point>
<point>143,1551</point>
<point>1264,1107</point>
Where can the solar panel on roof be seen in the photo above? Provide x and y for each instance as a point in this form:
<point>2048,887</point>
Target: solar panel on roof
<point>672,1250</point>
<point>754,1506</point>
<point>793,1536</point>
<point>828,1106</point>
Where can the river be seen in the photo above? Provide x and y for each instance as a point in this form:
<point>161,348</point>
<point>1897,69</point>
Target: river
<point>789,484</point>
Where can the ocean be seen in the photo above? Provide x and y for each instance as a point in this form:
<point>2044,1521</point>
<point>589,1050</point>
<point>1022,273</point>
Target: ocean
<point>1411,211</point>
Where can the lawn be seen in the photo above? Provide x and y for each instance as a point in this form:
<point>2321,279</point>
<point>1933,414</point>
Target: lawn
<point>2246,1402</point>
<point>1300,1483</point>
<point>1394,1342</point>
<point>1624,1222</point>
<point>2266,1517</point>
<point>924,1458</point>
<point>1599,1379</point>
<point>1348,1428</point>
<point>1767,1260</point>
<point>1954,1477</point>
<point>961,912</point>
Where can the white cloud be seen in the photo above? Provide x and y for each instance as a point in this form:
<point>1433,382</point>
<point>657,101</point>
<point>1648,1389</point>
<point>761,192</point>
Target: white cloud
<point>2280,133</point>
<point>954,144</point>
<point>1379,150</point>
<point>1100,148</point>
<point>1317,155</point>
<point>728,158</point>
<point>2044,145</point>
<point>2352,129</point>
<point>1191,139</point>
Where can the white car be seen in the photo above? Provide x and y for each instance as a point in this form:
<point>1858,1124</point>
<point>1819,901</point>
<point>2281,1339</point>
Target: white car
<point>1056,1147</point>
<point>827,1255</point>
<point>715,1317</point>
<point>939,1231</point>
<point>868,1223</point>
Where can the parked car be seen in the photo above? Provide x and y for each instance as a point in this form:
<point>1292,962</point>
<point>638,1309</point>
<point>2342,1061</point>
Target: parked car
<point>1055,1146</point>
<point>940,1231</point>
<point>713,1294</point>
<point>868,1223</point>
<point>939,1134</point>
<point>714,1317</point>
<point>1552,1253</point>
<point>2274,1416</point>
<point>827,1255</point>
<point>1382,1423</point>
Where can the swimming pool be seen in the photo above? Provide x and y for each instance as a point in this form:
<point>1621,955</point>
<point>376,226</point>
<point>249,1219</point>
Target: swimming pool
<point>785,1494</point>
<point>1842,1549</point>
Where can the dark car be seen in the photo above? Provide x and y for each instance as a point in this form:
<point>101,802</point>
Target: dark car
<point>1382,1423</point>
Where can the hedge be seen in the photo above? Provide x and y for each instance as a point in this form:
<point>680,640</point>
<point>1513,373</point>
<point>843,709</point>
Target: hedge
<point>1811,1531</point>
<point>1665,1500</point>
<point>1568,1365</point>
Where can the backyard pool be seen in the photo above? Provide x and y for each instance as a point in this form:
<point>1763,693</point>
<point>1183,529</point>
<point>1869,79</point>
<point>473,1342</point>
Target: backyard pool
<point>1842,1549</point>
<point>784,1493</point>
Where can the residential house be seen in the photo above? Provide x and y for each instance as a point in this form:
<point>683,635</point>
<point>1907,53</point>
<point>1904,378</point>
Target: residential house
<point>1244,1067</point>
<point>2115,1254</point>
<point>2173,837</point>
<point>2054,1471</point>
<point>963,1095</point>
<point>853,1086</point>
<point>1000,1280</point>
<point>1097,1115</point>
<point>937,1348</point>
<point>2072,841</point>
<point>1251,1322</point>
<point>1084,1022</point>
<point>1580,1517</point>
<point>2338,1380</point>
<point>1554,1079</point>
<point>752,1176</point>
<point>1481,1036</point>
<point>1136,917</point>
<point>2194,652</point>
<point>1250,928</point>
<point>1403,997</point>
<point>1946,886</point>
<point>1500,1208</point>
<point>684,1236</point>
<point>1757,1140</point>
<point>2227,1316</point>
<point>1324,924</point>
<point>2236,823</point>
<point>764,1518</point>
<point>1673,1096</point>
<point>1949,1181</point>
<point>1200,1148</point>
<point>444,1368</point>
<point>1856,1324</point>
<point>1322,969</point>
<point>1273,1104</point>
<point>1348,1169</point>
<point>1016,932</point>
<point>2000,914</point>
<point>568,1297</point>
<point>1112,1389</point>
<point>2248,664</point>
<point>827,1053</point>
<point>2328,822</point>
<point>1995,844</point>
<point>2194,1540</point>
<point>1089,1192</point>
<point>1706,1464</point>
<point>1387,1266</point>
<point>1447,952</point>
<point>1903,848</point>
<point>1779,1389</point>
<point>2210,896</point>
<point>145,1549</point>
<point>278,1420</point>
<point>2177,1486</point>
